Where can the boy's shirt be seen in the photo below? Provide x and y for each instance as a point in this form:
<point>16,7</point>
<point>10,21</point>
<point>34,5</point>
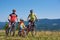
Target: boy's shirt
<point>22,25</point>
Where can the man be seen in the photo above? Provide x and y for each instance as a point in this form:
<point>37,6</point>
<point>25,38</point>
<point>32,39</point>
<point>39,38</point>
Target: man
<point>12,19</point>
<point>32,17</point>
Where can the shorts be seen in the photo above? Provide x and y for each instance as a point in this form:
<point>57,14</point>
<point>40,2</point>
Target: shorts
<point>20,29</point>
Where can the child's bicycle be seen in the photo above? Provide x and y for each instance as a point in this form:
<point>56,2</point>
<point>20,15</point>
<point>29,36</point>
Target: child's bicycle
<point>22,33</point>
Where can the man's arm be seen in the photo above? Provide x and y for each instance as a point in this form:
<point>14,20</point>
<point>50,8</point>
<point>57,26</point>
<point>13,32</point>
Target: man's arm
<point>17,17</point>
<point>28,17</point>
<point>9,17</point>
<point>35,17</point>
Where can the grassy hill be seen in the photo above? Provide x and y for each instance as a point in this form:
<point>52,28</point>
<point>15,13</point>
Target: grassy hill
<point>42,35</point>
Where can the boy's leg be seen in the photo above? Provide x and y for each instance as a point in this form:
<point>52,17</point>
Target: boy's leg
<point>19,32</point>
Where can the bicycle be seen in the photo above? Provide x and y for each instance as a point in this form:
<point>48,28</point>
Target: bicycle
<point>31,28</point>
<point>12,29</point>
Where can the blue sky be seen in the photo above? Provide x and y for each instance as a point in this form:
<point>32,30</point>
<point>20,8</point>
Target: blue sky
<point>42,8</point>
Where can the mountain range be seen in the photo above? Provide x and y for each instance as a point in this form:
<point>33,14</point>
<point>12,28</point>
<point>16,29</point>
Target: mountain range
<point>42,24</point>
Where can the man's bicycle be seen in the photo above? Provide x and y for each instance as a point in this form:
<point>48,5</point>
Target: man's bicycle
<point>12,29</point>
<point>31,28</point>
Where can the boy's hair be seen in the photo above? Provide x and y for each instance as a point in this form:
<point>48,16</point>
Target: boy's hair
<point>21,20</point>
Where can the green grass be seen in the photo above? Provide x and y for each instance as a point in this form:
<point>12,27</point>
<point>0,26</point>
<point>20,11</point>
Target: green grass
<point>42,35</point>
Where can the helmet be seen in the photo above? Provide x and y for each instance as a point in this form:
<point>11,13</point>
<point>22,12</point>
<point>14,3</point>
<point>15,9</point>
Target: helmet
<point>14,10</point>
<point>31,11</point>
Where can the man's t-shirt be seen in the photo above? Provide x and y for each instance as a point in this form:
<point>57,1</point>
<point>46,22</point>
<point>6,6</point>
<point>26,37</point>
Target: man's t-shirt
<point>13,17</point>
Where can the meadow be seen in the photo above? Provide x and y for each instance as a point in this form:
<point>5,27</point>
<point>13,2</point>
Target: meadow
<point>40,35</point>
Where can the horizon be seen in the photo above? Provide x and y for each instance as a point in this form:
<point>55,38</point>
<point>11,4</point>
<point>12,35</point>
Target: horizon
<point>44,9</point>
<point>38,19</point>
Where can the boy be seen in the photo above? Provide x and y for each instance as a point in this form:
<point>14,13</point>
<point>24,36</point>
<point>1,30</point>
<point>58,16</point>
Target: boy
<point>21,28</point>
